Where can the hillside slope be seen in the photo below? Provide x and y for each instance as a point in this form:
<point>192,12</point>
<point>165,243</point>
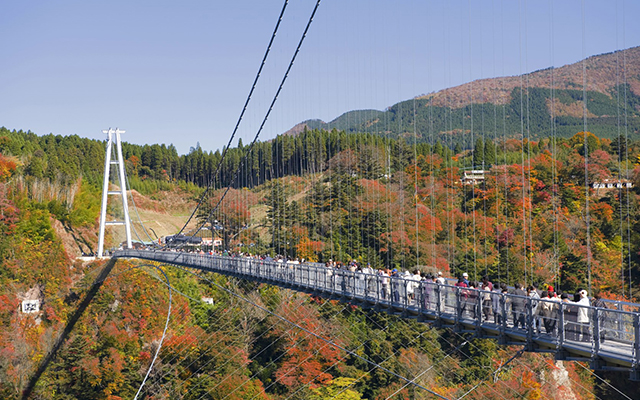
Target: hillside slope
<point>603,73</point>
<point>515,106</point>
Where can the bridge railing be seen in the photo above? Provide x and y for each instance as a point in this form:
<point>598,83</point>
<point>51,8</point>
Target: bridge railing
<point>597,331</point>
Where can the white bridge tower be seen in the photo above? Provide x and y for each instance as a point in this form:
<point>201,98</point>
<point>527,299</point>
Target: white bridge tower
<point>113,139</point>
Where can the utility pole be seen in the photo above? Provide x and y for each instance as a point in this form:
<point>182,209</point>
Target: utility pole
<point>113,139</point>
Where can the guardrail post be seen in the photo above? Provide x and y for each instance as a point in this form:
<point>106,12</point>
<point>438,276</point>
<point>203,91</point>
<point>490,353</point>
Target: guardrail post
<point>529,308</point>
<point>503,321</point>
<point>560,344</point>
<point>636,341</point>
<point>596,330</point>
<point>618,321</point>
<point>406,293</point>
<point>438,287</point>
<point>420,296</point>
<point>458,313</point>
<point>479,312</point>
<point>324,279</point>
<point>366,286</point>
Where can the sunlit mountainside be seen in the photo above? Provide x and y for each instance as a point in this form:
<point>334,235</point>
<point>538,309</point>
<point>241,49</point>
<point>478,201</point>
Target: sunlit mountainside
<point>497,106</point>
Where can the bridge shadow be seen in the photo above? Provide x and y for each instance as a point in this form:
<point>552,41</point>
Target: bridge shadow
<point>97,284</point>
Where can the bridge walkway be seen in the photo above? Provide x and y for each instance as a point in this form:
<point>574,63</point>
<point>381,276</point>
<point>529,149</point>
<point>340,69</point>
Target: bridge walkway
<point>611,341</point>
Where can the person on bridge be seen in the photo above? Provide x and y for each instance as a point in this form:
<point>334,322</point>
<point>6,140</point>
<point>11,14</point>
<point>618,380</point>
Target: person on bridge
<point>428,290</point>
<point>395,284</point>
<point>570,318</point>
<point>440,279</point>
<point>464,295</point>
<point>553,314</point>
<point>473,299</point>
<point>518,306</point>
<point>486,287</point>
<point>536,319</point>
<point>384,283</point>
<point>583,316</point>
<point>495,303</point>
<point>370,280</point>
<point>416,278</point>
<point>505,302</point>
<point>546,311</point>
<point>441,294</point>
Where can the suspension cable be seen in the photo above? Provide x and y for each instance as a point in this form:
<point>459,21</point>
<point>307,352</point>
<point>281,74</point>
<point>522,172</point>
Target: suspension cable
<point>586,147</point>
<point>164,332</point>
<point>244,109</point>
<point>264,121</point>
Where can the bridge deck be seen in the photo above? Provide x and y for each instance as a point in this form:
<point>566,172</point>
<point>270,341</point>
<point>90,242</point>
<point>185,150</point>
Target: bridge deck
<point>611,341</point>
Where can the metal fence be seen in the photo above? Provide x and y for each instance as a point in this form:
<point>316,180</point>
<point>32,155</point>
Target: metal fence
<point>610,335</point>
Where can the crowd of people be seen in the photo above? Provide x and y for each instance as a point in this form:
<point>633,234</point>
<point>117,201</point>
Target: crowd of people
<point>492,302</point>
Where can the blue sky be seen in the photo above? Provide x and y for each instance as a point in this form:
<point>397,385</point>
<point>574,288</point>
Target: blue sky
<point>179,71</point>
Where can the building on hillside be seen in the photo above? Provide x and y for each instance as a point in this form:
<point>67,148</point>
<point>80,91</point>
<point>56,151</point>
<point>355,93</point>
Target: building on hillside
<point>473,177</point>
<point>611,184</point>
<point>205,235</point>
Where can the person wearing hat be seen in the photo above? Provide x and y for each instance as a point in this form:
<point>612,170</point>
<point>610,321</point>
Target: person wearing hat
<point>465,278</point>
<point>583,316</point>
<point>464,296</point>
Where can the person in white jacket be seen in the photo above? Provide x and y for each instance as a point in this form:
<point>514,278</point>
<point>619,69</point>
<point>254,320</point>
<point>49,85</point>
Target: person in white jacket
<point>583,316</point>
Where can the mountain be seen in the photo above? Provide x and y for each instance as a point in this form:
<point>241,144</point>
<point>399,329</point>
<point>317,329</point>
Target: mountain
<point>346,121</point>
<point>603,74</point>
<point>540,103</point>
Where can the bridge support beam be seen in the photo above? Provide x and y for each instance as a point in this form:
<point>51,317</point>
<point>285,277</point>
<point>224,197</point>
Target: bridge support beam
<point>113,139</point>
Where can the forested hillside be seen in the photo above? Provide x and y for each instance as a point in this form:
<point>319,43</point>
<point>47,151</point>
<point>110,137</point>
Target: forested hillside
<point>317,195</point>
<point>322,195</point>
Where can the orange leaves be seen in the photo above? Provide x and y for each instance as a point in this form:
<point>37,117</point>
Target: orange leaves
<point>7,166</point>
<point>307,356</point>
<point>309,249</point>
<point>375,195</point>
<point>529,381</point>
<point>8,212</point>
<point>236,203</point>
<point>301,368</point>
<point>602,211</point>
<point>92,366</point>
